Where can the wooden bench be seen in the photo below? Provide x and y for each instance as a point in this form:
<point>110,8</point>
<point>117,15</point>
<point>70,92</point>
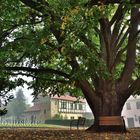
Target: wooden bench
<point>111,120</point>
<point>78,123</point>
<point>112,123</point>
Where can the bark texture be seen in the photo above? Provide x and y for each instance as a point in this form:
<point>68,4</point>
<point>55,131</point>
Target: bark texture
<point>110,95</point>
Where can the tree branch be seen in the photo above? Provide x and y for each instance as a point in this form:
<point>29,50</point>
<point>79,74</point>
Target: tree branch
<point>105,38</point>
<point>92,98</point>
<point>117,14</point>
<point>115,33</point>
<point>131,52</point>
<point>88,43</point>
<point>119,53</point>
<point>38,70</point>
<point>135,86</point>
<point>57,33</point>
<point>118,57</point>
<point>7,32</point>
<point>41,78</point>
<point>34,5</point>
<point>12,28</point>
<point>119,43</point>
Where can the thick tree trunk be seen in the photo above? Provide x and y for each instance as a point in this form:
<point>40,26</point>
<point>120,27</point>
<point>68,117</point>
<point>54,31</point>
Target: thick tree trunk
<point>102,124</point>
<point>107,112</point>
<point>108,122</point>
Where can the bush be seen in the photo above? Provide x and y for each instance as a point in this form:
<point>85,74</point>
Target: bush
<point>57,117</point>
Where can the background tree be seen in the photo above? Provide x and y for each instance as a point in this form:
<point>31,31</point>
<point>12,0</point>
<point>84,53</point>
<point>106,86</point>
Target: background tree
<point>89,47</point>
<point>18,105</point>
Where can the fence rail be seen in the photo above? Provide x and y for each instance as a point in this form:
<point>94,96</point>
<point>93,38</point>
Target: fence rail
<point>38,123</point>
<point>22,123</point>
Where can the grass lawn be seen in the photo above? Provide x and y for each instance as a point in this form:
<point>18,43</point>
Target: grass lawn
<point>9,125</point>
<point>55,134</point>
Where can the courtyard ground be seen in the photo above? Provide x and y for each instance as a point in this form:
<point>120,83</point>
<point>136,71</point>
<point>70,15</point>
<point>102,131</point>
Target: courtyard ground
<point>63,134</point>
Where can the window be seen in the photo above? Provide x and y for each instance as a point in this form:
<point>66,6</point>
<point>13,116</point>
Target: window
<point>63,105</point>
<point>80,107</point>
<point>128,106</point>
<point>75,106</point>
<point>138,105</point>
<point>136,118</point>
<point>139,119</point>
<point>130,122</point>
<point>71,106</point>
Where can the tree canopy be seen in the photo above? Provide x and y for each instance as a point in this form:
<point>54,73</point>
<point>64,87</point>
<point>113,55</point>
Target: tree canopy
<point>58,42</point>
<point>72,45</point>
<point>51,37</point>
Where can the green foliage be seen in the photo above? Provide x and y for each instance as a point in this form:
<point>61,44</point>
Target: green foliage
<point>57,117</point>
<point>5,96</point>
<point>54,37</point>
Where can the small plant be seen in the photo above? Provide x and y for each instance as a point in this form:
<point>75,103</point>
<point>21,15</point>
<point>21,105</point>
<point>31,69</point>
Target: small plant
<point>58,117</point>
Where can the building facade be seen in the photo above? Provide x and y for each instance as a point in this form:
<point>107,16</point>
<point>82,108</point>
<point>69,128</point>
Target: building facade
<point>45,108</point>
<point>131,112</point>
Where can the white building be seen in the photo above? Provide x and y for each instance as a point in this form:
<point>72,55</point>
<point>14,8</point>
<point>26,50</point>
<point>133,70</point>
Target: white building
<point>131,112</point>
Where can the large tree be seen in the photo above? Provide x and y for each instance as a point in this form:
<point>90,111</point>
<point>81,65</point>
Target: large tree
<point>80,46</point>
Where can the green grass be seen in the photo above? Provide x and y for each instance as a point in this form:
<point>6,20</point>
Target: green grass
<point>31,125</point>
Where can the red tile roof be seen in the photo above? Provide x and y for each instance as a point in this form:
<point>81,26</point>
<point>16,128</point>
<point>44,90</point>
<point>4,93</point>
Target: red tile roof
<point>68,98</point>
<point>39,106</point>
<point>36,107</point>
